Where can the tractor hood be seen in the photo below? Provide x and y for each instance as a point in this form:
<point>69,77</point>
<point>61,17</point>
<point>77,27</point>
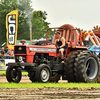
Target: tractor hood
<point>28,52</point>
<point>33,49</point>
<point>47,48</point>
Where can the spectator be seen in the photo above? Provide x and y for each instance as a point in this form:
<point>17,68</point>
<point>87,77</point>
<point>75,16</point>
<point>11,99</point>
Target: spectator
<point>8,54</point>
<point>2,52</point>
<point>5,46</point>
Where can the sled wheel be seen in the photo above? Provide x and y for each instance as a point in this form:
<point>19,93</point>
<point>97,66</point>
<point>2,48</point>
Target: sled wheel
<point>13,74</point>
<point>43,73</point>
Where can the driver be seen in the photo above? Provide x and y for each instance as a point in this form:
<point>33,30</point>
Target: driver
<point>61,45</point>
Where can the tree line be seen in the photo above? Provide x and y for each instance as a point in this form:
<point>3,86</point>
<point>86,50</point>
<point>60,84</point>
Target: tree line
<point>28,19</point>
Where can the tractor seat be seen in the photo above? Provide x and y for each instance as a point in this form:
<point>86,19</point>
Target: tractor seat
<point>69,36</point>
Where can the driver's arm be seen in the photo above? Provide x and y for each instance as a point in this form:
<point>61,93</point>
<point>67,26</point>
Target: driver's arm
<point>55,42</point>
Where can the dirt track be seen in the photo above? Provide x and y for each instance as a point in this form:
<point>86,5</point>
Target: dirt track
<point>25,79</point>
<point>48,93</point>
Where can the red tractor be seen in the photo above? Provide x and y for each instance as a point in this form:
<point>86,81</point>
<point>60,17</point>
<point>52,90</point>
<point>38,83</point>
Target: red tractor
<point>42,61</point>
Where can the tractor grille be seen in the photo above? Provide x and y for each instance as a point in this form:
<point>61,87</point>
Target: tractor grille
<point>20,50</point>
<point>17,58</point>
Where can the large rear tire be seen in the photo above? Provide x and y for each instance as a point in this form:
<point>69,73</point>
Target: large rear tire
<point>69,66</point>
<point>87,67</point>
<point>13,74</point>
<point>82,66</point>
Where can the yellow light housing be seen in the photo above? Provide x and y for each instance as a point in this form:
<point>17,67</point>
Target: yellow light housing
<point>22,41</point>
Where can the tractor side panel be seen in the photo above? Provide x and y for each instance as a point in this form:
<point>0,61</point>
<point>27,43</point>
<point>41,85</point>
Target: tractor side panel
<point>52,54</point>
<point>30,59</point>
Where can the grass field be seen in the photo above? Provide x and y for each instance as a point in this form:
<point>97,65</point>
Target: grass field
<point>3,72</point>
<point>41,85</point>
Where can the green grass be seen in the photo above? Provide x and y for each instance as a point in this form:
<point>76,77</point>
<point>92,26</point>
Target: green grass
<point>3,72</point>
<point>41,85</point>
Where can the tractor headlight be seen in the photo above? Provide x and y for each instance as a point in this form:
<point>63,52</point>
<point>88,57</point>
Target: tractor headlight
<point>20,58</point>
<point>21,61</point>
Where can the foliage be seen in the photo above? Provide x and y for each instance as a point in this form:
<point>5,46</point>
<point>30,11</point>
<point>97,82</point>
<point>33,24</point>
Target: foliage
<point>27,19</point>
<point>39,25</point>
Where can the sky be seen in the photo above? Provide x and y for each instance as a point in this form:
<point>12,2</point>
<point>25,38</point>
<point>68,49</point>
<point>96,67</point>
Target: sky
<point>83,14</point>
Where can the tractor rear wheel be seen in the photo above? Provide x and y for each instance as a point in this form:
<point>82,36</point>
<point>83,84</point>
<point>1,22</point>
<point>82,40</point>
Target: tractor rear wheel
<point>82,66</point>
<point>13,74</point>
<point>69,66</point>
<point>87,67</point>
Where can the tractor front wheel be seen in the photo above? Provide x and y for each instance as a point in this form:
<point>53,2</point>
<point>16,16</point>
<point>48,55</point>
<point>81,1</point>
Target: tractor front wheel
<point>43,73</point>
<point>13,74</point>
